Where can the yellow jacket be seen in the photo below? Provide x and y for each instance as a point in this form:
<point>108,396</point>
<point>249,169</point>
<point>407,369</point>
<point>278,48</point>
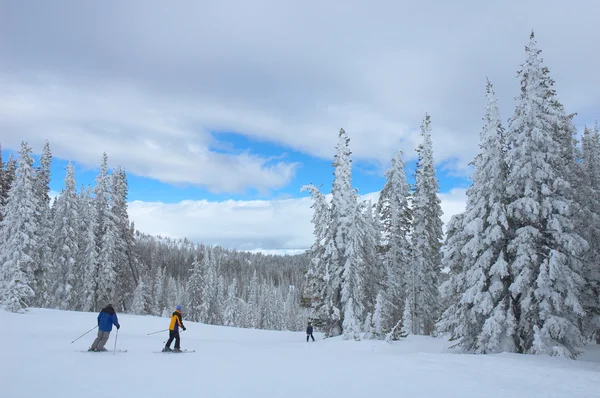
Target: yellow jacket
<point>176,321</point>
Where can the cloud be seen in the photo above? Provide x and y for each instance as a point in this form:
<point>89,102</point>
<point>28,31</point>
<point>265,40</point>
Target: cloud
<point>276,226</point>
<point>150,88</point>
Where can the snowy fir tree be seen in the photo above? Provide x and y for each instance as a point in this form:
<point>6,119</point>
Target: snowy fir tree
<point>395,215</point>
<point>480,316</point>
<point>67,271</point>
<point>312,296</point>
<point>43,257</point>
<point>545,249</point>
<point>422,304</point>
<point>107,238</point>
<point>20,230</point>
<point>589,221</point>
<point>195,292</point>
<point>88,250</point>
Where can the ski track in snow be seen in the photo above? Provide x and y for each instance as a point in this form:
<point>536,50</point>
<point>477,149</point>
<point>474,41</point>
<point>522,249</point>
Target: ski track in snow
<point>38,360</point>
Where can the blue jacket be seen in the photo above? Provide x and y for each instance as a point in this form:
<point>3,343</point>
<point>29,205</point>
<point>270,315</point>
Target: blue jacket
<point>107,318</point>
<point>309,330</point>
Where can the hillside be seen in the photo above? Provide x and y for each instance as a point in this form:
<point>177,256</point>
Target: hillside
<point>38,360</point>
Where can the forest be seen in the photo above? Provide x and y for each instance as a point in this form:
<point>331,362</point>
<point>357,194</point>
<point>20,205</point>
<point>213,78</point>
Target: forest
<point>517,271</point>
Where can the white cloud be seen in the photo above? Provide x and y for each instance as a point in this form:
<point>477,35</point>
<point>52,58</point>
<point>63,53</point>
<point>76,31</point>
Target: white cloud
<point>276,226</point>
<point>286,72</point>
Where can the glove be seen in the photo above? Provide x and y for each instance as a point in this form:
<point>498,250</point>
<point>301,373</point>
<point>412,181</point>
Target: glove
<point>118,327</point>
<point>183,327</point>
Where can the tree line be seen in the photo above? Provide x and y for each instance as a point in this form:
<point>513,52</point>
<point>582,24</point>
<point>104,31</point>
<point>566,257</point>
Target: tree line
<point>517,271</point>
<point>81,252</point>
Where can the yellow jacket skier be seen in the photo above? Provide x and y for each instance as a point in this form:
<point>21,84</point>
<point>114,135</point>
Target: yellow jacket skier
<point>176,323</point>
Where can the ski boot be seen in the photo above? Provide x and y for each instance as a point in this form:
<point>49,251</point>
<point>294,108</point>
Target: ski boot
<point>177,350</point>
<point>167,349</point>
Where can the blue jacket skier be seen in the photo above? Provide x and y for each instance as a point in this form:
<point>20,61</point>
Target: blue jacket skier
<point>106,319</point>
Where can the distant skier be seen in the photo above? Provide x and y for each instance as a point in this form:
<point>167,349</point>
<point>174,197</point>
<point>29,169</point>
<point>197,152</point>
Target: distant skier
<point>106,319</point>
<point>176,322</point>
<point>309,332</point>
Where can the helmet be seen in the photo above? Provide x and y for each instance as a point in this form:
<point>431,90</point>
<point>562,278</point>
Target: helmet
<point>178,308</point>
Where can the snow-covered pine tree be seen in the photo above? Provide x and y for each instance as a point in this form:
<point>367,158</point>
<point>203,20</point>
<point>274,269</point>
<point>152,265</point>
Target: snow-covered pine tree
<point>589,221</point>
<point>230,312</point>
<point>252,304</point>
<point>158,303</point>
<point>66,272</point>
<point>88,249</point>
<point>353,294</point>
<point>43,274</point>
<point>314,287</point>
<point>343,202</point>
<point>107,238</point>
<point>209,293</point>
<point>395,214</point>
<point>374,272</point>
<point>422,305</point>
<point>142,299</point>
<point>126,263</point>
<point>480,316</point>
<point>545,252</point>
<point>20,229</point>
<point>195,291</point>
<point>8,177</point>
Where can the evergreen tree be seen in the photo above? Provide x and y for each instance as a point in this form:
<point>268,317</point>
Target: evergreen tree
<point>545,252</point>
<point>393,209</point>
<point>195,292</point>
<point>352,282</point>
<point>65,242</point>
<point>480,312</point>
<point>107,238</point>
<point>422,305</point>
<point>20,230</point>
<point>314,287</point>
<point>589,222</point>
<point>43,257</point>
<point>88,250</point>
<point>343,203</point>
<point>230,313</point>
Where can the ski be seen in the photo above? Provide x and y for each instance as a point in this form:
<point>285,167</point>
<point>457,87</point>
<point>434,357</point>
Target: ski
<point>175,352</point>
<point>97,352</point>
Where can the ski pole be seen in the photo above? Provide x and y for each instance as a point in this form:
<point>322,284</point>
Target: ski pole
<point>84,334</point>
<point>116,337</point>
<point>160,331</point>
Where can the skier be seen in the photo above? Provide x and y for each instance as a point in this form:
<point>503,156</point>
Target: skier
<point>106,319</point>
<point>309,332</point>
<point>176,322</point>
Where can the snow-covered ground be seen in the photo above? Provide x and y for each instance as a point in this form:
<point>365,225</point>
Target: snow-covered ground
<point>38,360</point>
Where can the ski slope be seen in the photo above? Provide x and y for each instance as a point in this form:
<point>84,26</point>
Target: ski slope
<point>38,360</point>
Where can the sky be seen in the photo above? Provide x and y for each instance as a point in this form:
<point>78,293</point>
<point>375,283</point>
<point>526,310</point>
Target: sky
<point>221,111</point>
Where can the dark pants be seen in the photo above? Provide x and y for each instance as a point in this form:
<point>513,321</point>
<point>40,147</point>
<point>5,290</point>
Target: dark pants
<point>311,336</point>
<point>173,335</point>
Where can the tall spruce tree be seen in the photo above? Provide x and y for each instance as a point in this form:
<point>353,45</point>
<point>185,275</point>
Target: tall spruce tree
<point>88,249</point>
<point>107,237</point>
<point>545,251</point>
<point>480,313</point>
<point>20,230</point>
<point>396,219</point>
<point>422,305</point>
<point>343,202</point>
<point>67,272</point>
<point>589,222</point>
<point>314,286</point>
<point>43,274</point>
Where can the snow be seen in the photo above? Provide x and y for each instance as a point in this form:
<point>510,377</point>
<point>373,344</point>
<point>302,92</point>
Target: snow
<point>39,360</point>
